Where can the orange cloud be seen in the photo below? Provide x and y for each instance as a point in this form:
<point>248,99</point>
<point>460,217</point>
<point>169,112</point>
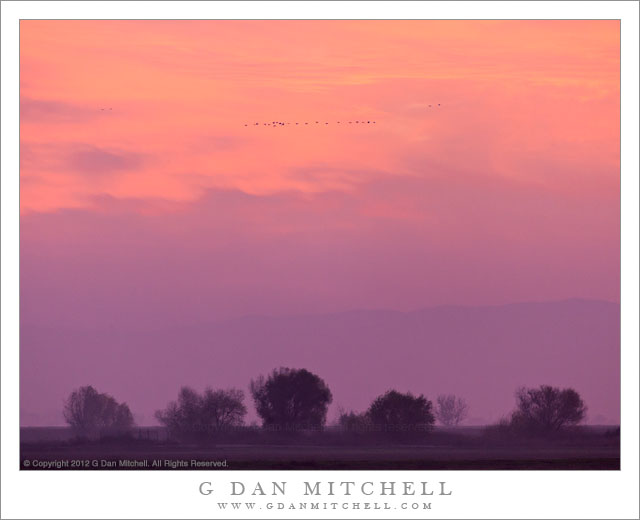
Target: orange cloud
<point>176,91</point>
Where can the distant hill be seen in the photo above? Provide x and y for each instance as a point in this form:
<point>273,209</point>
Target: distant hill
<point>480,353</point>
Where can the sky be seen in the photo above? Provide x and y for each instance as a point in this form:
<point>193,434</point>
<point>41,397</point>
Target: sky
<point>147,203</point>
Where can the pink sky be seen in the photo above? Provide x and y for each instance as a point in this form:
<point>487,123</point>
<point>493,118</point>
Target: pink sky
<point>168,210</point>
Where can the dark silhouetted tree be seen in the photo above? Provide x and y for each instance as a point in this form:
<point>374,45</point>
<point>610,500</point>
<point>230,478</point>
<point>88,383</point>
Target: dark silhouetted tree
<point>547,409</point>
<point>451,410</point>
<point>396,412</point>
<point>89,412</point>
<point>196,416</point>
<point>123,419</point>
<point>224,407</point>
<point>354,422</point>
<point>291,398</point>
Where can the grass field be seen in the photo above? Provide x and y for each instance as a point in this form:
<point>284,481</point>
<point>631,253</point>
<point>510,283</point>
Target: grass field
<point>108,456</point>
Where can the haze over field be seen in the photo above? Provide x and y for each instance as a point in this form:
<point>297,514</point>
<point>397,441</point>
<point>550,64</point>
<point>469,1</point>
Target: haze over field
<point>481,353</point>
<point>164,243</point>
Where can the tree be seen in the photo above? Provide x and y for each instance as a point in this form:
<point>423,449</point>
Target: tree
<point>451,410</point>
<point>547,409</point>
<point>123,418</point>
<point>89,412</point>
<point>224,408</point>
<point>291,398</point>
<point>196,416</point>
<point>396,412</point>
<point>354,422</point>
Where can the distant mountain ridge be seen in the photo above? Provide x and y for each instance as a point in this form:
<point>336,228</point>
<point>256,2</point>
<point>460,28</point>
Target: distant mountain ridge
<point>481,353</point>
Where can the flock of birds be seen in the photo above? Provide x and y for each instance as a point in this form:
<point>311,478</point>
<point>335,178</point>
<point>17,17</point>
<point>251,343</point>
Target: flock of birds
<point>283,123</point>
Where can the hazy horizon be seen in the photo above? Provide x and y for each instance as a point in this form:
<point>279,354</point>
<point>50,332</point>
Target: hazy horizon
<point>155,211</point>
<point>590,325</point>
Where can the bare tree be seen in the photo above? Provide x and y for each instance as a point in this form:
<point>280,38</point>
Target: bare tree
<point>89,412</point>
<point>354,422</point>
<point>223,407</point>
<point>196,416</point>
<point>547,409</point>
<point>451,410</point>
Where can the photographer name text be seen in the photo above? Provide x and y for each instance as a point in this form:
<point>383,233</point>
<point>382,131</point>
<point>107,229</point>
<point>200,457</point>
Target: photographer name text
<point>330,488</point>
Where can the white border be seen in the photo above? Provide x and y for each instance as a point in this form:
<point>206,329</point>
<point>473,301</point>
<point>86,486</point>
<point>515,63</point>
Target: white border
<point>478,494</point>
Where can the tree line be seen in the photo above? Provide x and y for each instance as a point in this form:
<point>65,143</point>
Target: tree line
<point>297,400</point>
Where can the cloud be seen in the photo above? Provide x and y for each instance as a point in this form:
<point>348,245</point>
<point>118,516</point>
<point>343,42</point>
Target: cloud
<point>91,159</point>
<point>328,177</point>
<point>216,143</point>
<point>72,157</point>
<point>53,111</point>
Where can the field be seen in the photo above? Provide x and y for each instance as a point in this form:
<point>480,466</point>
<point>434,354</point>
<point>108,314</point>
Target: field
<point>440,451</point>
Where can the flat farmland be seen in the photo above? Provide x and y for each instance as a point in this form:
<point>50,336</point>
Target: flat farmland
<point>101,456</point>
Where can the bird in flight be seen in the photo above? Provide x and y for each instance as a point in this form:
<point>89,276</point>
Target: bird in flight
<point>285,123</point>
